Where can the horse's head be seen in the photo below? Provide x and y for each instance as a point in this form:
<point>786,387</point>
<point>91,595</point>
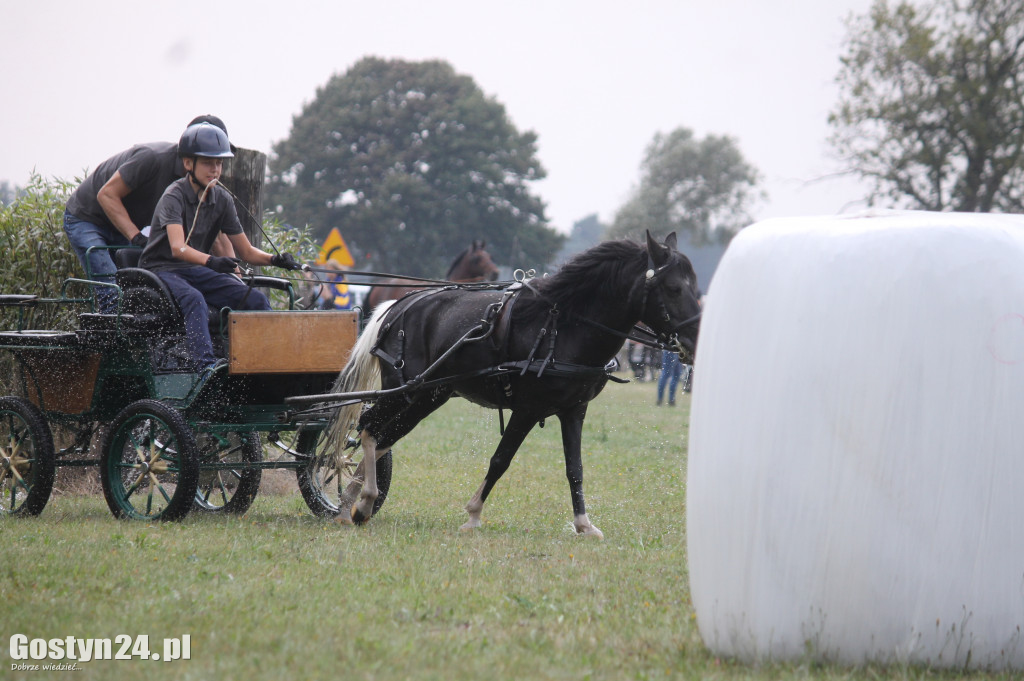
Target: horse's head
<point>474,264</point>
<point>672,302</point>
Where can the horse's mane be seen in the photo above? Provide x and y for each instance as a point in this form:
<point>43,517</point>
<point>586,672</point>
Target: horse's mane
<point>609,271</point>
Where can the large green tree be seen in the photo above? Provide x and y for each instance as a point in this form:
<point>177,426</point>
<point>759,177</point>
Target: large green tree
<point>412,162</point>
<point>931,110</point>
<point>702,188</point>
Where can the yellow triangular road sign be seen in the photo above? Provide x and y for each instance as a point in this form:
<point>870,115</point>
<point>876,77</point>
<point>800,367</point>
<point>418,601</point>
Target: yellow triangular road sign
<point>334,248</point>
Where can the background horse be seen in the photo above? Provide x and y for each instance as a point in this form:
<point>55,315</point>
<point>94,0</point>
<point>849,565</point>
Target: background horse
<point>539,350</point>
<point>473,264</point>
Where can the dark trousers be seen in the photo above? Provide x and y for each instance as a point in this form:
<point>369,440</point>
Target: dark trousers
<point>196,287</point>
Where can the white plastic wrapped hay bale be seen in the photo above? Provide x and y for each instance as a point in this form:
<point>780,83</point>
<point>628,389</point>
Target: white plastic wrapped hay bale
<point>855,484</point>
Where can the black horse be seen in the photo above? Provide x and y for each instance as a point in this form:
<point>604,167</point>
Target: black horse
<point>539,349</point>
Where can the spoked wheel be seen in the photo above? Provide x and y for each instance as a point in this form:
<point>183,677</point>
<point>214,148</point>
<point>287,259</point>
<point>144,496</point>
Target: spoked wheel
<point>149,465</point>
<point>327,473</point>
<point>228,489</point>
<point>26,458</point>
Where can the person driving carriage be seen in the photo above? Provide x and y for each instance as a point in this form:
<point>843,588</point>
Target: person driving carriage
<point>193,215</point>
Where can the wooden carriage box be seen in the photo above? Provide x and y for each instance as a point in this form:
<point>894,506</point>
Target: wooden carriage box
<point>284,342</point>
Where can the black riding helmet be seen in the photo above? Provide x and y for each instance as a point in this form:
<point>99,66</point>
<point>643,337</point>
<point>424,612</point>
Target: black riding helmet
<point>204,139</point>
<point>210,118</point>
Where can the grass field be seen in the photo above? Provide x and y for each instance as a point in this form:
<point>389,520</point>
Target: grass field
<point>279,594</point>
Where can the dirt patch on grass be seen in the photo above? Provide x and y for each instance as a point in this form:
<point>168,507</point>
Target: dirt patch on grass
<point>278,482</point>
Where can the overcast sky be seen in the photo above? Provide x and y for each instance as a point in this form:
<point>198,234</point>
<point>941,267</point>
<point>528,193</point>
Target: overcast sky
<point>595,79</point>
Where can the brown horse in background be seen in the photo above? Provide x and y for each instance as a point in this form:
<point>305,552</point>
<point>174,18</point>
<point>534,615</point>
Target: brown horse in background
<point>473,264</point>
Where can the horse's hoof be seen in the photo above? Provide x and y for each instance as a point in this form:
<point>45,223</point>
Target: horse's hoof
<point>469,525</point>
<point>358,517</point>
<point>590,531</point>
<point>344,518</point>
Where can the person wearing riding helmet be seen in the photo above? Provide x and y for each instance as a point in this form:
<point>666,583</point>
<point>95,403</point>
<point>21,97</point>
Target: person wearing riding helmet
<point>193,214</point>
<point>116,201</point>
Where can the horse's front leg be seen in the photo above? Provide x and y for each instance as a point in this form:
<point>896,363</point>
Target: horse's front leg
<point>572,445</point>
<point>519,426</point>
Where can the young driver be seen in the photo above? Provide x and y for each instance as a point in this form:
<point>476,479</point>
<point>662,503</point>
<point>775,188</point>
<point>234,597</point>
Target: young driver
<point>194,213</point>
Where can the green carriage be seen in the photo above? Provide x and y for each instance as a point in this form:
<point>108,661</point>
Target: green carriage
<point>168,440</point>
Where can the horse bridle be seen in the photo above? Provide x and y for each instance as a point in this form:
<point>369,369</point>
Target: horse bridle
<point>663,341</point>
<point>652,278</point>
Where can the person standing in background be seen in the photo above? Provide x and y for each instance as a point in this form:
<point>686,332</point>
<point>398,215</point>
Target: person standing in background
<point>671,370</point>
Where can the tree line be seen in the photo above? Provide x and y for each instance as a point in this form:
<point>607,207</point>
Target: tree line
<point>412,161</point>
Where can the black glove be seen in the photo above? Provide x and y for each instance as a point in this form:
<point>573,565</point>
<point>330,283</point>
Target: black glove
<point>222,264</point>
<point>139,240</point>
<point>285,261</point>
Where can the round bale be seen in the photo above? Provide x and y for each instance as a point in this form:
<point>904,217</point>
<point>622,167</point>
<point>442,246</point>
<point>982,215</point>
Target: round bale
<point>855,487</point>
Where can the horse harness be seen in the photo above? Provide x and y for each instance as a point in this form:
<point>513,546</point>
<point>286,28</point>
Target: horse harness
<point>495,326</point>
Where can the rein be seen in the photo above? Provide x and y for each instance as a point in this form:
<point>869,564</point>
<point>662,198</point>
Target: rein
<point>540,359</point>
<point>362,273</point>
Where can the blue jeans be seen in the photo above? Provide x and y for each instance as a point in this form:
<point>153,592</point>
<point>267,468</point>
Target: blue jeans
<point>196,287</point>
<point>98,263</point>
<point>671,370</point>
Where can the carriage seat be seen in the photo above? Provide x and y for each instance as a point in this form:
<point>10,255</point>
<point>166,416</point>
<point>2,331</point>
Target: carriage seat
<point>146,298</point>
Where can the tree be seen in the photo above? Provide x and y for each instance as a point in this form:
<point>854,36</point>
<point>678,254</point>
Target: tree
<point>585,233</point>
<point>412,162</point>
<point>699,187</point>
<point>931,109</point>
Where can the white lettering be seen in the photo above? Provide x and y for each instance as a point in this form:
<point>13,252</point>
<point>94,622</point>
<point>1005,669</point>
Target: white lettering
<point>37,648</point>
<point>172,649</point>
<point>19,647</point>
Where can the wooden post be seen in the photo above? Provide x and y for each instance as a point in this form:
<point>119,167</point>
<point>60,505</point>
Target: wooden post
<point>243,175</point>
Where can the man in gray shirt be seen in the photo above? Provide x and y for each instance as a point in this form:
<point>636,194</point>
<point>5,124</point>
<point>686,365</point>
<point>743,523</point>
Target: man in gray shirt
<point>116,201</point>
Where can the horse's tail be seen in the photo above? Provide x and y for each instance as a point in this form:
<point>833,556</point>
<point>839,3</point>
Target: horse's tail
<point>361,373</point>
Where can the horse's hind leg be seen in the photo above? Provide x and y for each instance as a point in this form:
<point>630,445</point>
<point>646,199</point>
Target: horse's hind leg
<point>363,508</point>
<point>351,493</point>
<point>519,426</point>
<point>572,445</point>
<point>382,426</point>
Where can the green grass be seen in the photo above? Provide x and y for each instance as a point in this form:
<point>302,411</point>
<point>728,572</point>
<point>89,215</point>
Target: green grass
<point>280,594</point>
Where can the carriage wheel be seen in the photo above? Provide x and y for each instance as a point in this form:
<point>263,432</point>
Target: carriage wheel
<point>324,478</point>
<point>149,465</point>
<point>229,490</point>
<point>26,458</point>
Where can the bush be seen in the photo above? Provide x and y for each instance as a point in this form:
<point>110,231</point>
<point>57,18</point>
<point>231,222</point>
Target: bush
<point>37,254</point>
<point>282,238</point>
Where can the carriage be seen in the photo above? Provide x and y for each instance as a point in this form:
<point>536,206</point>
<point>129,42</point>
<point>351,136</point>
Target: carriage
<point>166,440</point>
<point>176,440</point>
